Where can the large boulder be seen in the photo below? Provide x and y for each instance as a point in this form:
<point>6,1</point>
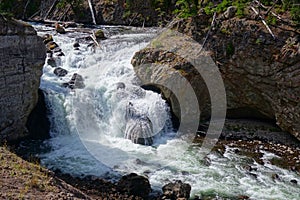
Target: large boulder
<point>139,127</point>
<point>261,75</point>
<point>22,55</point>
<point>134,184</point>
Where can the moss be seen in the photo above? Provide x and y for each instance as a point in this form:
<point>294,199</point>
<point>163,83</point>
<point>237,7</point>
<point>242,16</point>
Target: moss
<point>99,34</point>
<point>230,49</point>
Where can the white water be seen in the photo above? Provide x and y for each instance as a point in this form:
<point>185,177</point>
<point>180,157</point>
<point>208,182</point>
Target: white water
<point>87,127</point>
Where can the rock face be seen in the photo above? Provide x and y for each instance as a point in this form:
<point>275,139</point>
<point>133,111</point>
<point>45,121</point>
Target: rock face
<point>22,55</point>
<point>261,75</point>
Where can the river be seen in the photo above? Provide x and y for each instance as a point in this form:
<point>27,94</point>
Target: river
<point>87,125</point>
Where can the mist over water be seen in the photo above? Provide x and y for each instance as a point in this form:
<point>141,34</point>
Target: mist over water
<point>88,126</point>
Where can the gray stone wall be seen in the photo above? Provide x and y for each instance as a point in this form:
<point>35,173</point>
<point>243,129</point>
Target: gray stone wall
<point>22,55</point>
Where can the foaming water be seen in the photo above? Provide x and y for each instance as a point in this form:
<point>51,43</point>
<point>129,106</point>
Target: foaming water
<point>88,126</point>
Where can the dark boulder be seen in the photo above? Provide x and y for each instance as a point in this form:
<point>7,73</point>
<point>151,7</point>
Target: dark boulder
<point>76,82</point>
<point>76,44</point>
<point>60,72</point>
<point>51,61</point>
<point>134,184</point>
<point>176,190</point>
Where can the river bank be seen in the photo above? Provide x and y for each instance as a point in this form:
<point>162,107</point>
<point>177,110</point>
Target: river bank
<point>284,156</point>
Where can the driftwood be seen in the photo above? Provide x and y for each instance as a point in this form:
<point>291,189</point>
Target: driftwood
<point>25,8</point>
<point>212,25</point>
<point>271,7</point>
<point>64,13</point>
<point>51,8</point>
<point>264,22</point>
<point>93,36</point>
<point>274,14</point>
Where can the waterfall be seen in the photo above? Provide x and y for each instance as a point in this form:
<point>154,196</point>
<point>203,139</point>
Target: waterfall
<point>92,11</point>
<point>89,126</point>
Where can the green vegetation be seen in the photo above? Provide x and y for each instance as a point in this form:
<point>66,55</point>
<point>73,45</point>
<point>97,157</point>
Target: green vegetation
<point>165,9</point>
<point>19,8</point>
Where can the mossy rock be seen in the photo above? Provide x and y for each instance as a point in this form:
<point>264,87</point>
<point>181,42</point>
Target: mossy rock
<point>99,34</point>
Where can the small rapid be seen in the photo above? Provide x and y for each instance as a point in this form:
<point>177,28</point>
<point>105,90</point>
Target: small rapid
<point>88,125</point>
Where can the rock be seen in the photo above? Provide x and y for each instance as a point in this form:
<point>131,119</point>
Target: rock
<point>59,28</point>
<point>138,127</point>
<point>60,54</point>
<point>60,72</point>
<point>51,45</point>
<point>275,177</point>
<point>261,79</point>
<point>76,44</point>
<point>230,12</point>
<point>47,38</point>
<point>22,55</point>
<point>176,190</point>
<point>70,25</point>
<point>51,62</point>
<point>38,123</point>
<point>99,34</point>
<point>294,181</point>
<point>76,82</point>
<point>120,85</point>
<point>134,184</point>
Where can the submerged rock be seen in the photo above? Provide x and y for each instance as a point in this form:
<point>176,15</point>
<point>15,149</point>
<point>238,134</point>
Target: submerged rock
<point>52,62</point>
<point>99,34</point>
<point>138,127</point>
<point>176,190</point>
<point>76,82</point>
<point>60,72</point>
<point>134,184</point>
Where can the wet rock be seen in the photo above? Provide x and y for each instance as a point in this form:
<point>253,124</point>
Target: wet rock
<point>60,72</point>
<point>120,85</point>
<point>243,197</point>
<point>99,34</point>
<point>139,127</point>
<point>70,25</point>
<point>51,45</point>
<point>275,177</point>
<point>134,184</point>
<point>60,54</point>
<point>51,62</point>
<point>59,28</point>
<point>294,181</point>
<point>176,190</point>
<point>76,44</point>
<point>76,82</point>
<point>47,38</point>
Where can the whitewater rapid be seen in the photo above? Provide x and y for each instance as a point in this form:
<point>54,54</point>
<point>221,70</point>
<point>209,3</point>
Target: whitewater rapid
<point>87,125</point>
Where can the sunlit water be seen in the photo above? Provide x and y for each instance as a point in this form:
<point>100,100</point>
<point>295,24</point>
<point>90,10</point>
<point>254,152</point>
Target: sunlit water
<point>87,126</point>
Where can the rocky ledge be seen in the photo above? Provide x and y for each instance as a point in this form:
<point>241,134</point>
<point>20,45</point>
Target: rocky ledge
<point>261,73</point>
<point>22,55</point>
